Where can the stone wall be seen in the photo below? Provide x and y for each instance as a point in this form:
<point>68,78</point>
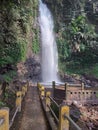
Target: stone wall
<point>82,95</point>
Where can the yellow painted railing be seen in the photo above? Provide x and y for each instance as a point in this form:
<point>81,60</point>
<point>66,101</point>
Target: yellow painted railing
<point>4,115</point>
<point>5,124</point>
<point>64,119</point>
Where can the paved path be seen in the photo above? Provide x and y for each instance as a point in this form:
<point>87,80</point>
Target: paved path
<point>32,116</point>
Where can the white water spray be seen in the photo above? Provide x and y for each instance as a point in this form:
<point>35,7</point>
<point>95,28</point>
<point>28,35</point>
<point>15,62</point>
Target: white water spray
<point>49,48</point>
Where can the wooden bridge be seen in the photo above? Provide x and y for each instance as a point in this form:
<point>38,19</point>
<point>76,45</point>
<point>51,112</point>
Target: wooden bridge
<point>43,110</point>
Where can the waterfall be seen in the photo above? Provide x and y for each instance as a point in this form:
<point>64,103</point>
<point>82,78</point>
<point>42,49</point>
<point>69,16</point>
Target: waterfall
<point>48,45</point>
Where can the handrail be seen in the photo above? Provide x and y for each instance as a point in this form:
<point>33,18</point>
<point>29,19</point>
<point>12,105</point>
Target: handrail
<point>1,121</point>
<point>54,101</point>
<point>4,115</point>
<point>64,118</point>
<point>60,83</point>
<point>54,115</point>
<point>72,122</point>
<point>5,124</point>
<point>12,120</point>
<point>49,84</point>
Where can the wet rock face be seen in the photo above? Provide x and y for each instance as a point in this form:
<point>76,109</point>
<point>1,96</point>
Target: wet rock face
<point>91,9</point>
<point>62,9</point>
<point>34,68</point>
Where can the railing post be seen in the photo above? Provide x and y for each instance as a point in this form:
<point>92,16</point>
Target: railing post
<point>42,92</point>
<point>4,114</point>
<point>38,85</point>
<point>53,87</point>
<point>19,100</point>
<point>63,122</point>
<point>48,102</point>
<point>66,87</point>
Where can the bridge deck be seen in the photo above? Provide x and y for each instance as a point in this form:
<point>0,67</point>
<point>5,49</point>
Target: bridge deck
<point>33,117</point>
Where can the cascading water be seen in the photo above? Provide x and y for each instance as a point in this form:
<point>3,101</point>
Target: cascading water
<point>49,48</point>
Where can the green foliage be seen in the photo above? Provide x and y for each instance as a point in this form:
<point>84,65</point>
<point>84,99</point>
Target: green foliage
<point>6,95</point>
<point>77,46</point>
<point>77,68</point>
<point>16,21</point>
<point>95,70</point>
<point>35,42</point>
<point>8,100</point>
<point>77,24</point>
<point>35,46</point>
<point>10,54</point>
<point>2,104</point>
<point>55,109</point>
<point>63,49</point>
<point>9,76</point>
<point>23,49</point>
<point>35,29</point>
